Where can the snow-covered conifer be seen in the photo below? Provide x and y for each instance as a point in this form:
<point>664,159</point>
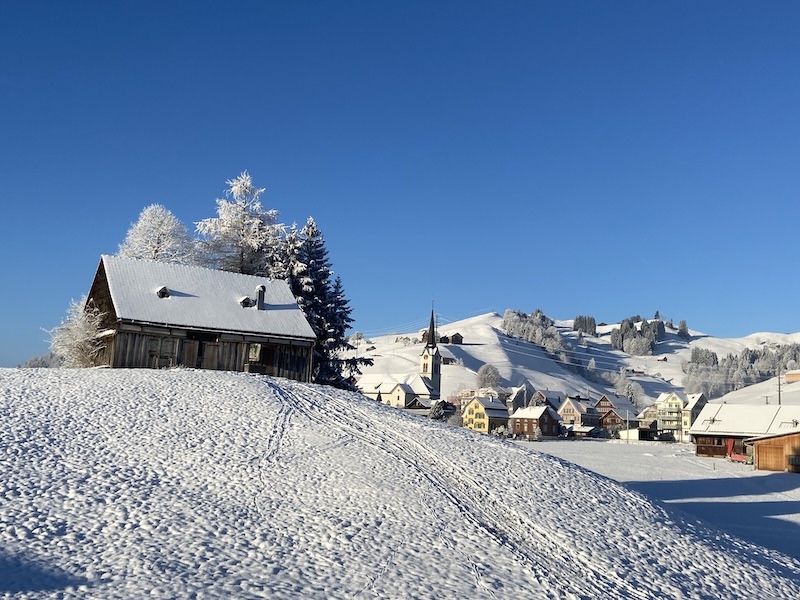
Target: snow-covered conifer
<point>159,235</point>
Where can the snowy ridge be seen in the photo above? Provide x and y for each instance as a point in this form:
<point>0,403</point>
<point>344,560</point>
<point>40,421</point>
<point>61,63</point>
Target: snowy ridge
<point>519,361</point>
<point>120,484</point>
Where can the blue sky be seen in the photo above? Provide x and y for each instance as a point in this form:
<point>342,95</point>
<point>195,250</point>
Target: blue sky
<point>608,159</point>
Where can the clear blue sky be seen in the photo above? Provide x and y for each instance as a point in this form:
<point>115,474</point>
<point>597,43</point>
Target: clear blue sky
<point>600,158</point>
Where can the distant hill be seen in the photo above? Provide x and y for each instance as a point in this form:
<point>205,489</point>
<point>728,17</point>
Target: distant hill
<point>519,361</point>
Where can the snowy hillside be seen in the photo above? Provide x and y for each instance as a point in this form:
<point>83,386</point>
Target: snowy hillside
<point>519,361</point>
<point>183,483</point>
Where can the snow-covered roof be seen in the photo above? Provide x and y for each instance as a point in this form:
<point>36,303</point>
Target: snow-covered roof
<point>746,420</point>
<point>550,395</point>
<point>200,298</point>
<point>621,405</point>
<point>535,412</point>
<point>692,401</point>
<point>579,406</point>
<point>491,404</point>
<point>385,383</point>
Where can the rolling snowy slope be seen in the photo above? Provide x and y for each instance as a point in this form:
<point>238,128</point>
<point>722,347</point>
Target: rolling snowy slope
<point>182,483</point>
<point>519,361</point>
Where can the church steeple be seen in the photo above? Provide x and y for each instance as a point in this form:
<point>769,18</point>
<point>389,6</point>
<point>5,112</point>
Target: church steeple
<point>431,361</point>
<point>431,341</point>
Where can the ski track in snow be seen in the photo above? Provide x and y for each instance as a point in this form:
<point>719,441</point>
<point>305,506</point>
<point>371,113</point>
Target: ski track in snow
<point>190,484</point>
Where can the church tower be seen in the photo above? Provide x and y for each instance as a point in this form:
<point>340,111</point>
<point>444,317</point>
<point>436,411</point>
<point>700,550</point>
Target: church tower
<point>430,364</point>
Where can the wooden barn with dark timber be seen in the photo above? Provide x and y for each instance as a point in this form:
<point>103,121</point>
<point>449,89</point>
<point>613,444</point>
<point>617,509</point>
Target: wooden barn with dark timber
<point>160,314</point>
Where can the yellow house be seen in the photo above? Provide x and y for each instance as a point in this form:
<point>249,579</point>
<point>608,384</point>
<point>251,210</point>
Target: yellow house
<point>485,414</point>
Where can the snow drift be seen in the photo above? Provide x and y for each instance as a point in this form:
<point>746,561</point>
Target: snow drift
<point>183,483</point>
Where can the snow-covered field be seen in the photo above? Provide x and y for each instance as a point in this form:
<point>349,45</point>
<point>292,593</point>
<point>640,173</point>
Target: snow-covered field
<point>759,506</point>
<point>182,483</point>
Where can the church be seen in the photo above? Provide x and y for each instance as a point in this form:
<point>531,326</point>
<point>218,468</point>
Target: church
<point>409,391</point>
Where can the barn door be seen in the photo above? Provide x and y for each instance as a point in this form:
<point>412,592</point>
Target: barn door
<point>770,458</point>
<point>190,348</point>
<point>210,352</point>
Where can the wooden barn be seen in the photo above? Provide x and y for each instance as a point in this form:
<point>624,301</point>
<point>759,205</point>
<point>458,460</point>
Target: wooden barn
<point>160,314</point>
<point>778,452</point>
<point>723,429</point>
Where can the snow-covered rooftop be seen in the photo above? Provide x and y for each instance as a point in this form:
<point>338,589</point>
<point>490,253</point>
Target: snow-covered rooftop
<point>746,419</point>
<point>201,298</point>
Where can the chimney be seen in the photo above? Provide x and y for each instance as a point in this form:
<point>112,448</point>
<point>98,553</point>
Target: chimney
<point>260,291</point>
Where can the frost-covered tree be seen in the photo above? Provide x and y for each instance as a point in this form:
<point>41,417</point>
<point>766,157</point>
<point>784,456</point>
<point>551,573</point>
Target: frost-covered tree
<point>585,324</point>
<point>244,237</point>
<point>488,376</point>
<point>76,341</point>
<point>683,330</point>
<point>159,235</point>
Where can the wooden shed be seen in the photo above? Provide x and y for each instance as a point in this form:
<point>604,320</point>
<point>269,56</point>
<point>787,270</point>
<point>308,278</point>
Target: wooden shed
<point>160,314</point>
<point>779,452</point>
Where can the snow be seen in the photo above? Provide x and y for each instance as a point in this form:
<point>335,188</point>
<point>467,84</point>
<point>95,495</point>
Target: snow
<point>184,483</point>
<point>758,506</point>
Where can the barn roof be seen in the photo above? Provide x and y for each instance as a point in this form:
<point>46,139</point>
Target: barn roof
<point>746,420</point>
<point>159,293</point>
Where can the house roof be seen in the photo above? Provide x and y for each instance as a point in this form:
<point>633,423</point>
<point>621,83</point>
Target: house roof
<point>664,396</point>
<point>550,396</point>
<point>693,399</point>
<point>535,412</point>
<point>385,383</point>
<point>621,405</point>
<point>746,420</point>
<point>579,406</point>
<point>199,298</point>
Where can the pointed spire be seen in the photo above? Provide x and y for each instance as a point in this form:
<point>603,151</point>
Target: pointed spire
<point>431,342</point>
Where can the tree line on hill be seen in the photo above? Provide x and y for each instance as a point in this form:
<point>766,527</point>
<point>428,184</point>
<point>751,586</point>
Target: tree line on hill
<point>244,238</point>
<point>715,377</point>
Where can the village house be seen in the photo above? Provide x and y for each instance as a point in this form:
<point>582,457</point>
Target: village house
<point>721,429</point>
<point>553,399</point>
<point>534,422</point>
<point>691,410</point>
<point>452,338</point>
<point>648,423</point>
<point>519,397</point>
<point>676,413</point>
<point>158,314</point>
<point>578,418</point>
<point>485,415</point>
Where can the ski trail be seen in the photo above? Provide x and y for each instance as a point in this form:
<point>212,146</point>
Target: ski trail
<point>539,552</point>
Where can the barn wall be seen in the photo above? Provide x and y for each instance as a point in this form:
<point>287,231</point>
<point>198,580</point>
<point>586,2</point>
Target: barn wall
<point>140,347</point>
<point>780,453</point>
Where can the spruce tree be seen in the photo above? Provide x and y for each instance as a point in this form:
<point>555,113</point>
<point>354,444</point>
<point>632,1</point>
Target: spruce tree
<point>324,304</point>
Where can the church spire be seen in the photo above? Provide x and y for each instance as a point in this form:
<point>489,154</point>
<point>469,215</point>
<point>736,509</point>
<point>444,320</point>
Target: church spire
<point>431,341</point>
